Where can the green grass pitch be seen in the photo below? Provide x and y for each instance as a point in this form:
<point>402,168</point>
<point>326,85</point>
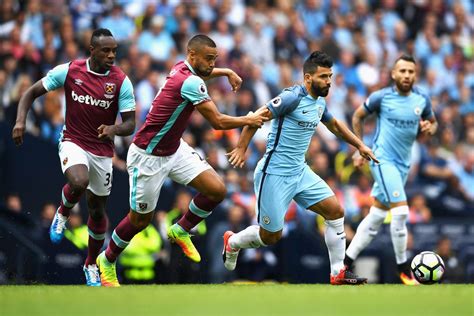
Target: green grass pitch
<point>230,299</point>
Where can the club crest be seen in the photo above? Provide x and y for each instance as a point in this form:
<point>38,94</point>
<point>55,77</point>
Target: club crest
<point>109,88</point>
<point>266,220</point>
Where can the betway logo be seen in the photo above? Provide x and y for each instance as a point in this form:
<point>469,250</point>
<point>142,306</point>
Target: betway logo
<point>87,99</point>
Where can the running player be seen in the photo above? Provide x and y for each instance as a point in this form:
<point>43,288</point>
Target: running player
<point>96,91</point>
<point>282,174</point>
<point>158,151</point>
<point>402,112</point>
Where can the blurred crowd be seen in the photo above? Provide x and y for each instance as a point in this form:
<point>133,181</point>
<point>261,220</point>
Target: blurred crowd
<point>266,42</point>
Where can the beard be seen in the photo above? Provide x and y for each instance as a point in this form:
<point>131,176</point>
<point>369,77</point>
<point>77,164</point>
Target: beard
<point>322,92</point>
<point>404,88</point>
<point>204,72</point>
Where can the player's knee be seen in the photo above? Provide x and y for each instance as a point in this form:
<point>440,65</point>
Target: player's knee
<point>218,194</point>
<point>336,213</point>
<point>97,214</point>
<point>140,221</point>
<point>79,184</point>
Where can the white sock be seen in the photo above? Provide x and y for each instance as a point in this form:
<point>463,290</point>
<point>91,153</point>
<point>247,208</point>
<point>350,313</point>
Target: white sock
<point>399,232</point>
<point>335,238</point>
<point>366,231</point>
<point>248,238</point>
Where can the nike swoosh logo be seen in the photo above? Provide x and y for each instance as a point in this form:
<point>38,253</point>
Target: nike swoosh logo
<point>340,233</point>
<point>304,112</point>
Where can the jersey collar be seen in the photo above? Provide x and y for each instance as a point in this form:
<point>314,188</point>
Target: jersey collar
<point>190,67</point>
<point>95,73</point>
<point>394,90</point>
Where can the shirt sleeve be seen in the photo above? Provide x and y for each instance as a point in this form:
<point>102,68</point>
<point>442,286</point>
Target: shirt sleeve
<point>284,103</point>
<point>427,111</point>
<point>56,77</point>
<point>194,89</point>
<point>126,97</point>
<point>373,102</point>
<point>327,116</point>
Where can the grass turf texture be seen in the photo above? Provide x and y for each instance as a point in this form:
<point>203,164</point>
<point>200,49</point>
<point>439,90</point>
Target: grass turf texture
<point>229,299</point>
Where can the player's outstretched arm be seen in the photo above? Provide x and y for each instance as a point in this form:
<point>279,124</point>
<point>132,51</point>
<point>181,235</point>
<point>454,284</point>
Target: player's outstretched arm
<point>236,156</point>
<point>340,129</point>
<point>358,126</point>
<point>127,127</point>
<point>358,121</point>
<point>221,121</point>
<point>234,79</point>
<point>24,106</point>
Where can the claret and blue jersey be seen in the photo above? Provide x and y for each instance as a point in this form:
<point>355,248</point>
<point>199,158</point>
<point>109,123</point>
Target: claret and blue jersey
<point>169,114</point>
<point>92,99</point>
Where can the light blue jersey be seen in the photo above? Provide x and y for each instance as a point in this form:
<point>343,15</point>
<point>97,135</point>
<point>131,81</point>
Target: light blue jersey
<point>398,122</point>
<point>282,174</point>
<point>397,126</point>
<point>296,115</point>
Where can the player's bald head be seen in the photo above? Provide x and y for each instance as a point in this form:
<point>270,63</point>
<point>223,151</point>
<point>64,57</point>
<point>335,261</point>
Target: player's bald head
<point>198,42</point>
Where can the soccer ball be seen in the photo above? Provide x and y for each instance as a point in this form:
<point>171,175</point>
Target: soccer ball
<point>427,267</point>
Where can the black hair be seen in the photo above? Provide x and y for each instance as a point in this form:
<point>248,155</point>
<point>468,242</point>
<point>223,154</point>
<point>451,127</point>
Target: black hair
<point>317,58</point>
<point>98,33</point>
<point>406,57</point>
<point>199,41</point>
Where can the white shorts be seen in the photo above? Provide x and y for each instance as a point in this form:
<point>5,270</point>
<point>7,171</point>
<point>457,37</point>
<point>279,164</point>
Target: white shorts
<point>147,173</point>
<point>100,168</point>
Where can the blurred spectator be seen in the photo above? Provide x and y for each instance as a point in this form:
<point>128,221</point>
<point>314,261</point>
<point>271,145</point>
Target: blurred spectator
<point>77,232</point>
<point>236,221</point>
<point>121,26</point>
<point>181,269</point>
<point>454,269</point>
<point>419,211</point>
<point>465,175</point>
<point>138,259</point>
<point>157,42</point>
<point>433,170</point>
<point>51,120</point>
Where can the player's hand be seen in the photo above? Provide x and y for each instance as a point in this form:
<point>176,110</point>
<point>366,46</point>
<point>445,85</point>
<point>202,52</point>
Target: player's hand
<point>255,119</point>
<point>426,127</point>
<point>358,161</point>
<point>106,132</point>
<point>18,132</point>
<point>265,113</point>
<point>234,80</point>
<point>236,157</point>
<point>259,117</point>
<point>366,153</point>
